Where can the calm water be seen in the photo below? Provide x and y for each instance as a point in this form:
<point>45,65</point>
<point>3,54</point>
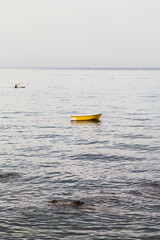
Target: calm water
<point>113,166</point>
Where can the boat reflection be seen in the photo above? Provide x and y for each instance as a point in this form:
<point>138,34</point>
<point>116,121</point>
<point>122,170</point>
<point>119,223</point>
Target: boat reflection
<point>85,122</point>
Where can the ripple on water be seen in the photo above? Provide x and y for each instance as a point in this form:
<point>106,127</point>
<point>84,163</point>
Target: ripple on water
<point>112,165</point>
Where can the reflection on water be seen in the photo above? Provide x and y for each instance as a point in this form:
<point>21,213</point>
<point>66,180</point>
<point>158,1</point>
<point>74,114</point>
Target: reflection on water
<point>89,122</point>
<point>110,165</point>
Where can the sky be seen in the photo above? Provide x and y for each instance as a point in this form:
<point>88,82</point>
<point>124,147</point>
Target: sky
<point>80,33</point>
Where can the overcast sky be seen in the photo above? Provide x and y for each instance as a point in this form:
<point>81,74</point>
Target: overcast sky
<point>79,33</point>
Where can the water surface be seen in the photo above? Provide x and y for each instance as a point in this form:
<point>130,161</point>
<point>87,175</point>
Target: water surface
<point>112,166</point>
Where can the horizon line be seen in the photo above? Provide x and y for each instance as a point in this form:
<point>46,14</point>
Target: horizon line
<point>87,68</point>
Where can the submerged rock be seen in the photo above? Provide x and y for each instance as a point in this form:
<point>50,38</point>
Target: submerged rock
<point>67,203</point>
<point>7,176</point>
<point>77,202</point>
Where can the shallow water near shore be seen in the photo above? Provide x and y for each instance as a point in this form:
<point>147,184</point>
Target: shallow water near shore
<point>113,166</point>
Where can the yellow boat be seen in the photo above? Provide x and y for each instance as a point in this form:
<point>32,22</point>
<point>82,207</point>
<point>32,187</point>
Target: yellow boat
<point>94,117</point>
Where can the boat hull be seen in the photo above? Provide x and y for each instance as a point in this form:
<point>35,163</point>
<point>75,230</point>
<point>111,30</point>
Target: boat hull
<point>95,117</point>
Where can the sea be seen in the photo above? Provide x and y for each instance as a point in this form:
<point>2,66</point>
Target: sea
<point>48,163</point>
